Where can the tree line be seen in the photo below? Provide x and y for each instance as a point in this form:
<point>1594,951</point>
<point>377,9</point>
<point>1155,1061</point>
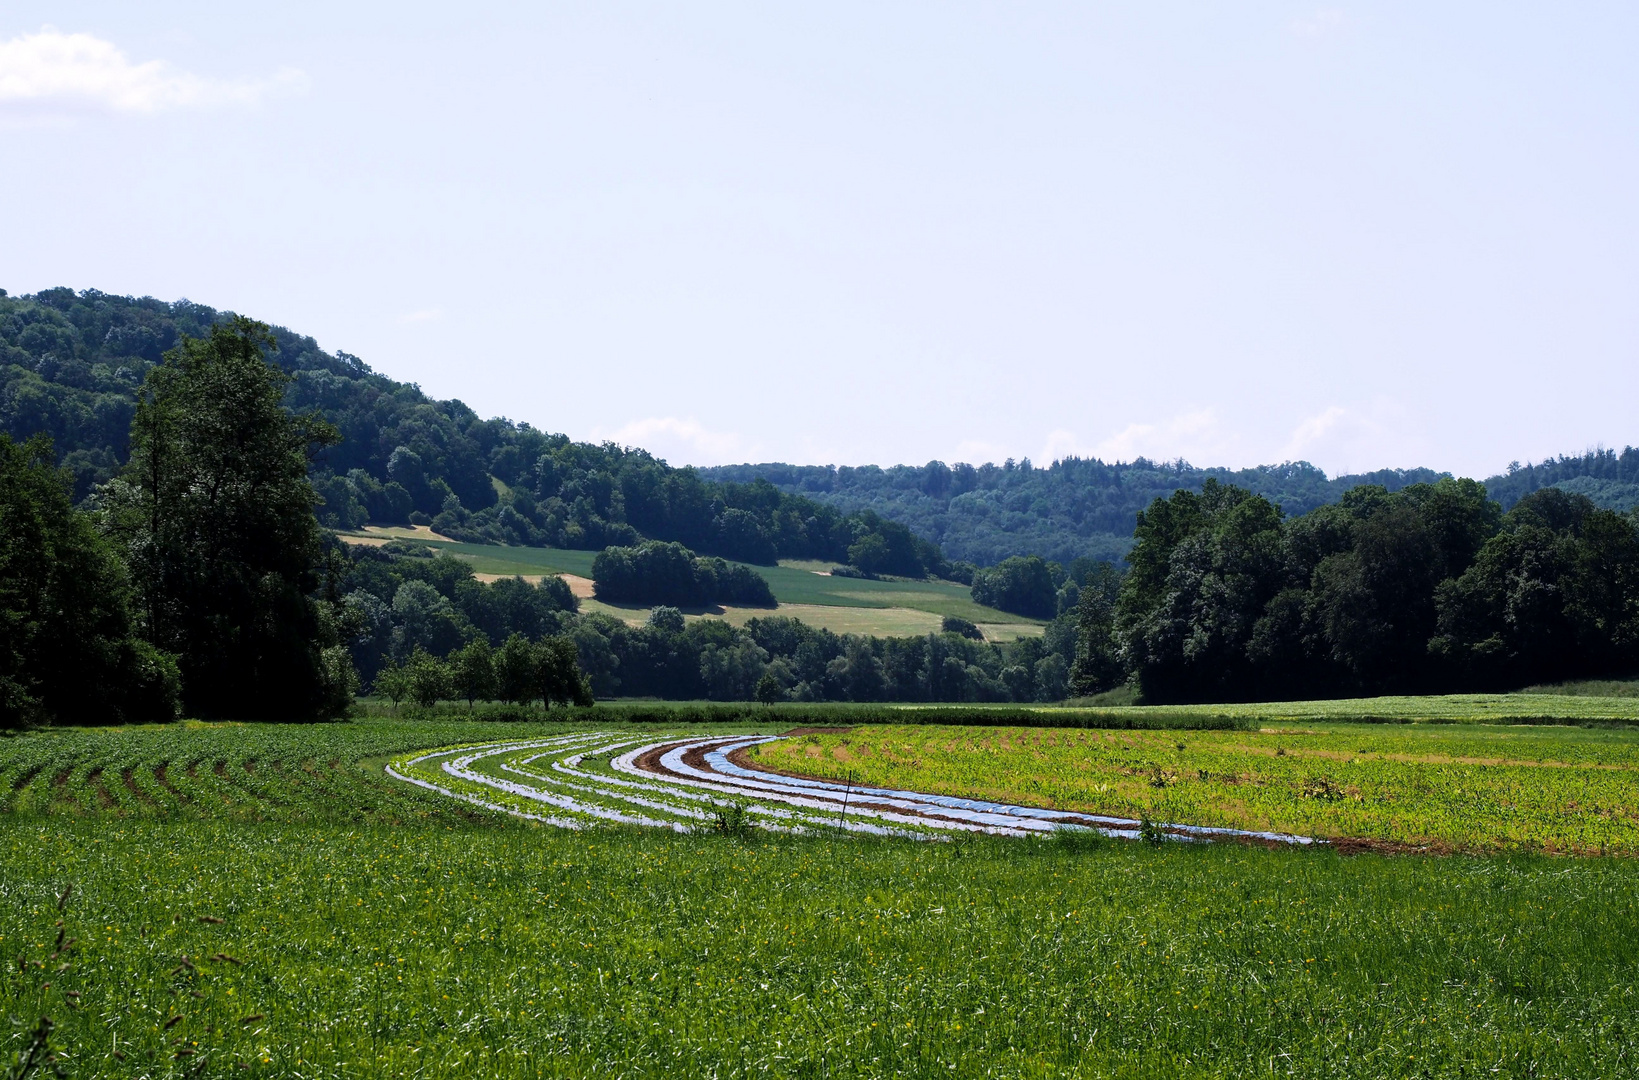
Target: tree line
<point>1431,589</point>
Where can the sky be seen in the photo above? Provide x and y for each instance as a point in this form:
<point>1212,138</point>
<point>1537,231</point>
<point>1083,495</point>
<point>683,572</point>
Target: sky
<point>1365,236</point>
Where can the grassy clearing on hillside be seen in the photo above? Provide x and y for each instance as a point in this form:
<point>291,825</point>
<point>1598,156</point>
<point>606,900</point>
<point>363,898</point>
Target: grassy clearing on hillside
<point>791,584</point>
<point>275,906</point>
<point>1471,788</point>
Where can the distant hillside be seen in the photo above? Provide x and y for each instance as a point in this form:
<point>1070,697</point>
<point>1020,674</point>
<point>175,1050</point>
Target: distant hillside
<point>1086,507</point>
<point>71,364</point>
<point>1074,507</point>
<point>1609,478</point>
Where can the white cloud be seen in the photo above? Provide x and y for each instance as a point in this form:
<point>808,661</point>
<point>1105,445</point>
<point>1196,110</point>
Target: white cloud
<point>424,315</point>
<point>52,68</point>
<point>1372,435</point>
<point>1197,436</point>
<point>681,441</point>
<point>1313,430</point>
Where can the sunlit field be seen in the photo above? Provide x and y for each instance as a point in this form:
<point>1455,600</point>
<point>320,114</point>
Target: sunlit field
<point>264,901</point>
<point>1447,787</point>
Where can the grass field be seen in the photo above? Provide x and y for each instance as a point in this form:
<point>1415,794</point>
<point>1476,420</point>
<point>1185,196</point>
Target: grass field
<point>917,605</point>
<point>1471,787</point>
<point>270,905</point>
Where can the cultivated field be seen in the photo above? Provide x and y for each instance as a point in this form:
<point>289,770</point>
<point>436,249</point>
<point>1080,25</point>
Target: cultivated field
<point>267,901</point>
<point>1445,787</point>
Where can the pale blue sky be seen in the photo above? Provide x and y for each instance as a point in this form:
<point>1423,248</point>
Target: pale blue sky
<point>1364,235</point>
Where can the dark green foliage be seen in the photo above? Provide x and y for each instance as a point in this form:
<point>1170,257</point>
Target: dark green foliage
<point>1608,477</point>
<point>1022,585</point>
<point>1097,666</point>
<point>67,651</point>
<point>654,572</point>
<point>955,624</point>
<point>558,677</point>
<point>394,602</point>
<point>1203,569</point>
<point>1553,596</point>
<point>1075,508</point>
<point>515,678</point>
<point>70,366</point>
<point>472,672</point>
<point>214,515</point>
<point>1424,590</point>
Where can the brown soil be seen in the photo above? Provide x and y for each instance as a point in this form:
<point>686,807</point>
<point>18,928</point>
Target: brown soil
<point>580,586</point>
<point>160,777</point>
<point>94,778</point>
<point>128,778</point>
<point>1362,845</point>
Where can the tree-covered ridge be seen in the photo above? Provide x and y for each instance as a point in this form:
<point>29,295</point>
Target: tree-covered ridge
<point>1073,508</point>
<point>1084,507</point>
<point>1609,478</point>
<point>71,365</point>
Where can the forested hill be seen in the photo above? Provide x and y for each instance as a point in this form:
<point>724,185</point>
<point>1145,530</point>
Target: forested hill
<point>71,364</point>
<point>1086,507</point>
<point>1073,507</point>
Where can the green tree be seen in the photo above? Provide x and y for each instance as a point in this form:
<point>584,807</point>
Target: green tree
<point>1097,665</point>
<point>427,678</point>
<point>472,671</point>
<point>392,682</point>
<point>558,675</point>
<point>769,689</point>
<point>67,652</point>
<point>515,671</point>
<point>215,515</point>
<point>1022,585</point>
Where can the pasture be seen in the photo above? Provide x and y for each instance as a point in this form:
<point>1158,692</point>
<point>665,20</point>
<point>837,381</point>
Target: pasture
<point>265,901</point>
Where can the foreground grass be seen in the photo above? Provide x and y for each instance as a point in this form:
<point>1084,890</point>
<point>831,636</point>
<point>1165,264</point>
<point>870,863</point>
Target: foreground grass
<point>254,900</point>
<point>433,950</point>
<point>1468,787</point>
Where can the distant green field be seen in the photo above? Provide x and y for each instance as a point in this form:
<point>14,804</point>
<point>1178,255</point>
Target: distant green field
<point>792,584</point>
<point>1441,708</point>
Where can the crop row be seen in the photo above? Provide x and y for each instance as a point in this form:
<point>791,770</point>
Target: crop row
<point>706,782</point>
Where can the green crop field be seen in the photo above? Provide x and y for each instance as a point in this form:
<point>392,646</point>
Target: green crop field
<point>1471,787</point>
<point>255,900</point>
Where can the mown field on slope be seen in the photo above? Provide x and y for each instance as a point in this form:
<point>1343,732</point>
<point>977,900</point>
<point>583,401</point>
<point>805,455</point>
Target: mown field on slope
<point>884,607</point>
<point>1473,787</point>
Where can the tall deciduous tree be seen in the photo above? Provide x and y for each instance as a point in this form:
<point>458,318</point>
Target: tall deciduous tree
<point>67,653</point>
<point>215,513</point>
